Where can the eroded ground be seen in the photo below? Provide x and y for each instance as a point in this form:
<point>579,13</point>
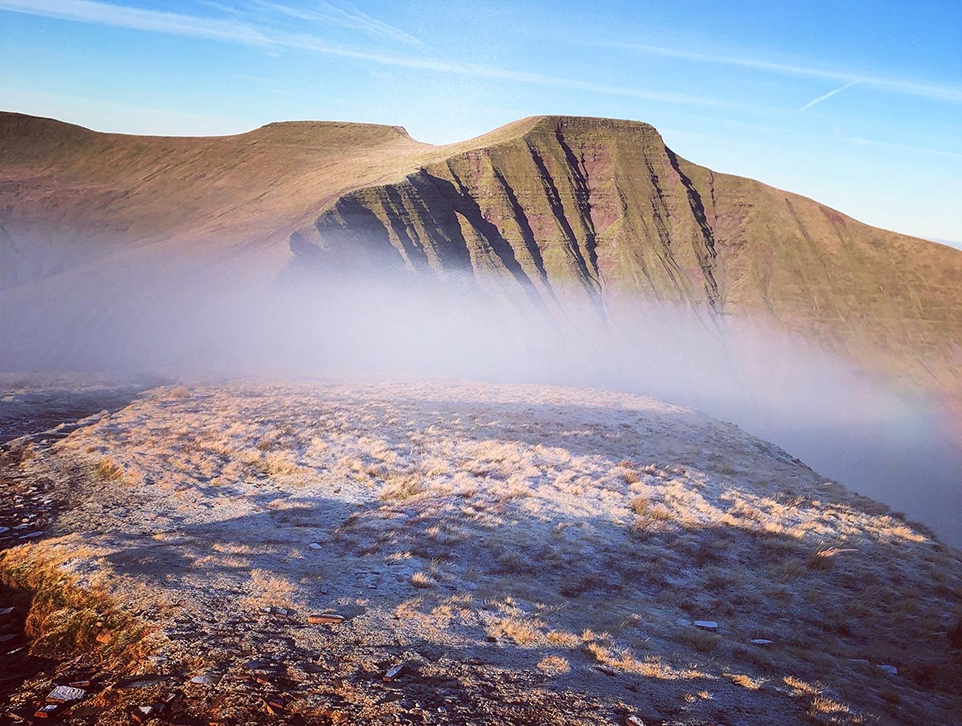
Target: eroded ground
<point>530,554</point>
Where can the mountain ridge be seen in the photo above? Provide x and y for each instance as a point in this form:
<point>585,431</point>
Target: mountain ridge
<point>556,209</point>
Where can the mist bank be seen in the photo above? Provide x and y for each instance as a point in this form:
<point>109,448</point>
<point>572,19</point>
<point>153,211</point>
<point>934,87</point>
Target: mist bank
<point>895,447</point>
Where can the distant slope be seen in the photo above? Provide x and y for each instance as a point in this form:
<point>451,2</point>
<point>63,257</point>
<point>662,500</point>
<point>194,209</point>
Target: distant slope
<point>556,208</point>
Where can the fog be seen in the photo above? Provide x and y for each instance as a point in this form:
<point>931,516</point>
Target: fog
<point>895,448</point>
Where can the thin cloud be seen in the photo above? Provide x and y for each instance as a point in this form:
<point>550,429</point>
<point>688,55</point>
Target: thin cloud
<point>118,16</point>
<point>937,92</point>
<point>347,18</point>
<point>309,43</point>
<point>859,141</point>
<point>828,95</point>
<point>233,31</point>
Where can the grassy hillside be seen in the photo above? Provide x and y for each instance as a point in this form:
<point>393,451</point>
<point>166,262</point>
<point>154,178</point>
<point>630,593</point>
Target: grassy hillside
<point>560,211</point>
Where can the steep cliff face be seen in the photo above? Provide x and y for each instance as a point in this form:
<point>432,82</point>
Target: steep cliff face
<point>601,210</point>
<point>589,205</point>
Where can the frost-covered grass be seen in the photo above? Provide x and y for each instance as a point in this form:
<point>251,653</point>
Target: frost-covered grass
<point>456,513</point>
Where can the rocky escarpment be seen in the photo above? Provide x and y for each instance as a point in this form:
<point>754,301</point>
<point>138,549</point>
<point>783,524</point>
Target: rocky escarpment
<point>562,208</point>
<point>587,205</point>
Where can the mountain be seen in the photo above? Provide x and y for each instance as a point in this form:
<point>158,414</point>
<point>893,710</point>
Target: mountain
<point>556,210</point>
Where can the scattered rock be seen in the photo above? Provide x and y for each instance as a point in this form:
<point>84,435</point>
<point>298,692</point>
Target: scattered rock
<point>144,681</point>
<point>206,679</point>
<point>104,636</point>
<point>256,664</point>
<point>142,714</point>
<point>48,711</point>
<point>315,546</point>
<point>634,721</point>
<point>394,673</point>
<point>272,704</point>
<point>65,694</point>
<point>889,669</point>
<point>709,625</point>
<point>760,641</point>
<point>325,618</point>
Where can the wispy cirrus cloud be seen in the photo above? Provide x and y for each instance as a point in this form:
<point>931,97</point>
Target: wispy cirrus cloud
<point>119,16</point>
<point>860,141</point>
<point>90,11</point>
<point>825,97</point>
<point>328,14</point>
<point>927,90</point>
<point>305,42</point>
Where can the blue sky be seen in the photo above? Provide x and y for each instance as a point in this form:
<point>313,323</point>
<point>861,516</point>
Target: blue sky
<point>857,104</point>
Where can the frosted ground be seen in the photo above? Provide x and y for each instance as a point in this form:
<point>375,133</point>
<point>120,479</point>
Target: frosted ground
<point>531,554</point>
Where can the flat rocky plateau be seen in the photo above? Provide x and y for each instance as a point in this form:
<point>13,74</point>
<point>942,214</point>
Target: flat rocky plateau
<point>442,552</point>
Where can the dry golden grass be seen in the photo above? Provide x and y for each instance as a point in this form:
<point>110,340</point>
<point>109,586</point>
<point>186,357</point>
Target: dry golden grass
<point>66,618</point>
<point>559,523</point>
<point>269,589</point>
<point>108,469</point>
<point>553,665</point>
<point>752,684</point>
<point>521,630</point>
<point>423,580</point>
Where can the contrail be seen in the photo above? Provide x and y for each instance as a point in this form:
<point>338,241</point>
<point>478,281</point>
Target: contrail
<point>827,95</point>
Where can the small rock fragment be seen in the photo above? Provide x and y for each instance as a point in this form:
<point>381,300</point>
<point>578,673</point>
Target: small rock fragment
<point>682,622</point>
<point>394,673</point>
<point>47,711</point>
<point>6,611</point>
<point>329,618</point>
<point>142,714</point>
<point>205,679</point>
<point>634,721</point>
<point>104,636</point>
<point>760,641</point>
<point>272,704</point>
<point>709,625</point>
<point>65,694</point>
<point>314,546</point>
<point>889,669</point>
